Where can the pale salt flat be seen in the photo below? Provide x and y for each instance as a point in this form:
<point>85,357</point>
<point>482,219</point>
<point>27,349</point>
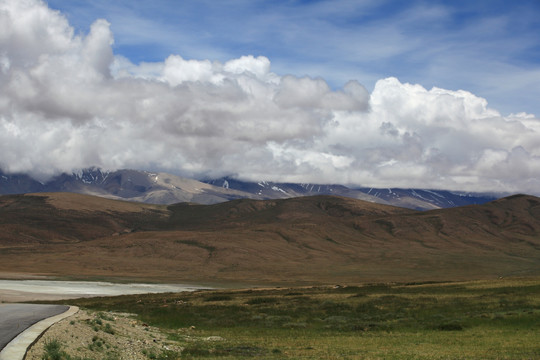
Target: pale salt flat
<point>21,290</point>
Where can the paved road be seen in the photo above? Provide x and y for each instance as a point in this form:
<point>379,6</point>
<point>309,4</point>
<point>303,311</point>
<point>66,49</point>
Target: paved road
<point>15,318</point>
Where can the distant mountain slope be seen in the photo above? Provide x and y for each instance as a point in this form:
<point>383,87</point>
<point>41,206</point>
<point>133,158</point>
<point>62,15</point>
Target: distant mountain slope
<point>19,184</point>
<point>418,199</point>
<point>132,185</point>
<point>315,239</point>
<point>273,190</point>
<point>423,199</point>
<point>162,188</point>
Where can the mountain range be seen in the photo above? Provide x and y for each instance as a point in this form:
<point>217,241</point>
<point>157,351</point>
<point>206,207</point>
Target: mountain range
<point>163,188</point>
<point>301,240</point>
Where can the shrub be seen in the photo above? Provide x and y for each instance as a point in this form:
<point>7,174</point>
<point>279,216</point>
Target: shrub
<point>108,329</point>
<point>452,326</point>
<point>53,350</point>
<point>105,316</point>
<point>261,300</point>
<point>218,298</point>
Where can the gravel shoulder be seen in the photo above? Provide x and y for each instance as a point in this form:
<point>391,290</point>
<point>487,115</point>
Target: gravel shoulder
<point>105,335</point>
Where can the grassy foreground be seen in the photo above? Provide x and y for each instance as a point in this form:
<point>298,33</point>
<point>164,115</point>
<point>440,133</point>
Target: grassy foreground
<point>497,319</point>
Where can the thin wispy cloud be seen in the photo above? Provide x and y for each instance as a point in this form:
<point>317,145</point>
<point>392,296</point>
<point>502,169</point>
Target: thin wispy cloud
<point>212,101</point>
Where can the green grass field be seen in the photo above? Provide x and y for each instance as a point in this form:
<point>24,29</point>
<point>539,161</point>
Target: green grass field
<point>497,319</point>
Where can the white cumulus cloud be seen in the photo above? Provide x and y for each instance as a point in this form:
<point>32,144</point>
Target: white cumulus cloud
<point>68,102</point>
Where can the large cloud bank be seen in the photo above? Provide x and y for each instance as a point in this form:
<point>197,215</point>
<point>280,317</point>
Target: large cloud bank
<point>67,102</point>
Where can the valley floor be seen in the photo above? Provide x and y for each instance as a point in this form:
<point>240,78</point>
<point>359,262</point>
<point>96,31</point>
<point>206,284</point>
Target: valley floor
<point>497,319</point>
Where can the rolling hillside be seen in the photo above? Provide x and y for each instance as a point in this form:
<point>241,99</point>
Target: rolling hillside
<point>319,239</point>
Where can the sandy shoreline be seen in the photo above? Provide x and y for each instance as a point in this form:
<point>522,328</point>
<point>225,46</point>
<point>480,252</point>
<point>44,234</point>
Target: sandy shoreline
<point>24,296</point>
<point>11,296</point>
<point>22,276</point>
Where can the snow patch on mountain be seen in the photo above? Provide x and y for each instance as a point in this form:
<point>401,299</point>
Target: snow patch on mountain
<point>165,188</point>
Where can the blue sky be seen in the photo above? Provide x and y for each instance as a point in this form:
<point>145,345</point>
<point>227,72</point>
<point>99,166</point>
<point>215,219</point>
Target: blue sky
<point>491,48</point>
<point>421,94</point>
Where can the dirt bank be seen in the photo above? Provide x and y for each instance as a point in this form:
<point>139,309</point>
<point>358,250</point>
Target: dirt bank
<point>105,335</point>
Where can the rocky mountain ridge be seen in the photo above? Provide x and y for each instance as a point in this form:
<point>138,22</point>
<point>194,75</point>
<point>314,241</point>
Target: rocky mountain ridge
<point>163,188</point>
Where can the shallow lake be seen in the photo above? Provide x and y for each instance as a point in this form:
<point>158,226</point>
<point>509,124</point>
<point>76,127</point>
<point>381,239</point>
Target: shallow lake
<point>27,290</point>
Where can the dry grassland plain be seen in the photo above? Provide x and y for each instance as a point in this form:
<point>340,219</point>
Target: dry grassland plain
<point>498,319</point>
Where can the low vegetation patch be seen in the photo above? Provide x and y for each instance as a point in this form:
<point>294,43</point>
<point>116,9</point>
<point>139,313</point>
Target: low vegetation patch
<point>218,298</point>
<point>53,350</point>
<point>261,300</point>
<point>472,320</point>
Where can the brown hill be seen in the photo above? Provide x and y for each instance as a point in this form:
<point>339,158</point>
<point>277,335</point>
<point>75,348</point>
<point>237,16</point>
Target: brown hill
<point>318,239</point>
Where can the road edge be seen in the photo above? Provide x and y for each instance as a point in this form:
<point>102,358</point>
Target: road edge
<point>16,348</point>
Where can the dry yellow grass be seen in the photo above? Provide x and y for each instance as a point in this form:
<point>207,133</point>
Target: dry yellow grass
<point>80,202</point>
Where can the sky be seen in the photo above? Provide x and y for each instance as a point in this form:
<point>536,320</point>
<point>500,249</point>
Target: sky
<point>425,94</point>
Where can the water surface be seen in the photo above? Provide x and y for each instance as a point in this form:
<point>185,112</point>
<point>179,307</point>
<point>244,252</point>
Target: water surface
<point>21,290</point>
